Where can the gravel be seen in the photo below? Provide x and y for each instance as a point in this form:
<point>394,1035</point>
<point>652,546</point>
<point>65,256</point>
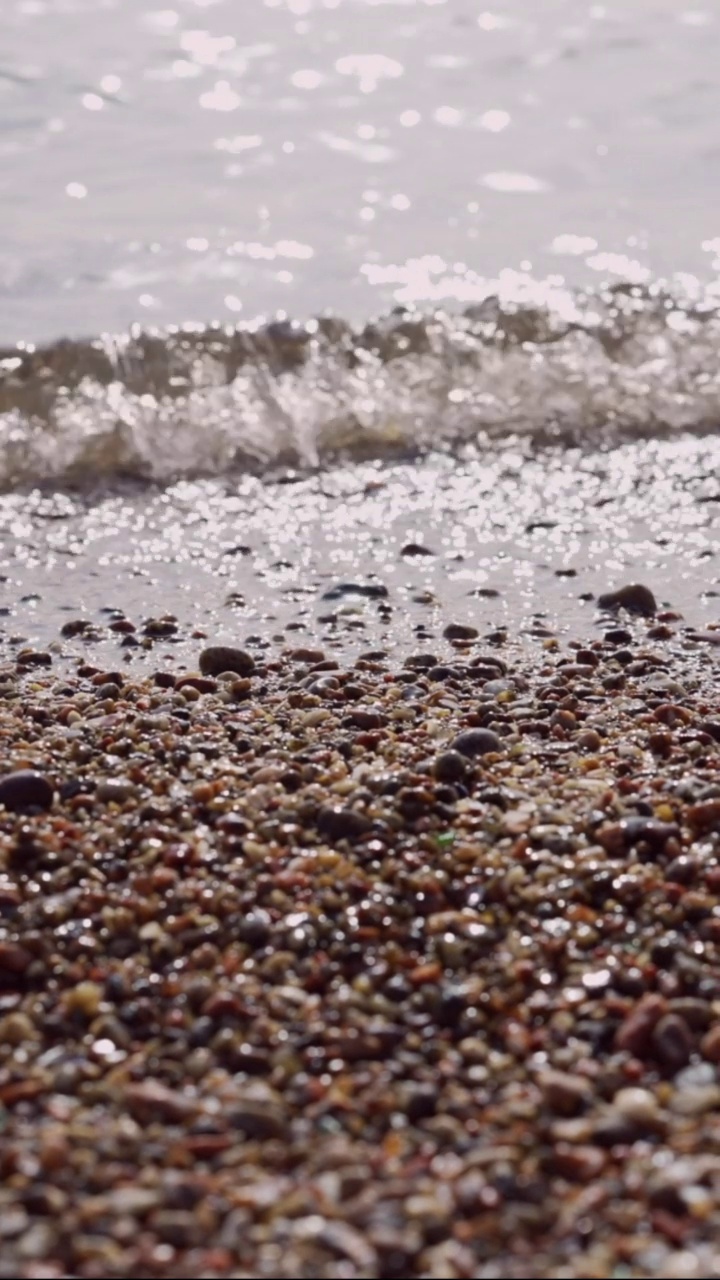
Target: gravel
<point>295,982</point>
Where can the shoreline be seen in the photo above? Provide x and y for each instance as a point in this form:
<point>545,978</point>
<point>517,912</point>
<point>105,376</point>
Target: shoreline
<point>407,968</point>
<point>512,539</point>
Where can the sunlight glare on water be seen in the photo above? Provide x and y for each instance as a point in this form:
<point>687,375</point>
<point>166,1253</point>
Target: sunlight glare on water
<point>152,159</point>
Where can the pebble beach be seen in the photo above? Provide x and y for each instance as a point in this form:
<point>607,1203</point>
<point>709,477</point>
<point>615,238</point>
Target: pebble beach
<point>359,640</point>
<point>375,967</point>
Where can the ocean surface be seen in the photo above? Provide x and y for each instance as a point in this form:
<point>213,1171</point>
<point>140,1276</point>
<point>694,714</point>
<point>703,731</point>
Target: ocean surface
<point>289,287</point>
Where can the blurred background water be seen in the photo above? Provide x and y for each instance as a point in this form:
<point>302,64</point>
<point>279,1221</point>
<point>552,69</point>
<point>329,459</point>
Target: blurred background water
<point>226,159</point>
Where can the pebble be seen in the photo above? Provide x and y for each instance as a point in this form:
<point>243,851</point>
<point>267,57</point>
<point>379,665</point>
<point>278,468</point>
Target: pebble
<point>672,1042</point>
<point>290,985</point>
<point>416,549</point>
<point>639,1105</point>
<point>634,1034</point>
<point>26,790</point>
<point>369,590</point>
<point>634,597</point>
<point>565,1094</point>
<point>476,742</point>
<point>219,658</point>
<point>115,790</point>
<point>460,631</point>
<point>450,766</point>
<point>337,823</point>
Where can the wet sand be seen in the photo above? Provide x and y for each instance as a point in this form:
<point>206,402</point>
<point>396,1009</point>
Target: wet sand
<point>364,966</point>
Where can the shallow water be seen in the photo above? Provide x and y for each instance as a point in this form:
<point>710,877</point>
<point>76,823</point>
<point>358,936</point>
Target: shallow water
<point>505,542</point>
<point>211,159</point>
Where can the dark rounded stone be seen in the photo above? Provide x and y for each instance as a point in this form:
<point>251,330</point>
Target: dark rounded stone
<point>76,627</point>
<point>450,766</point>
<point>476,742</point>
<point>337,823</point>
<point>673,1043</point>
<point>460,631</point>
<point>416,549</point>
<point>634,597</point>
<point>490,660</point>
<point>420,661</point>
<point>219,657</point>
<point>370,591</point>
<point>25,790</point>
<point>254,928</point>
<point>160,628</point>
<point>441,672</point>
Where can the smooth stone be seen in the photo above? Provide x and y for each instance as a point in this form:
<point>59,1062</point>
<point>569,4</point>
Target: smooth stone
<point>337,823</point>
<point>634,597</point>
<point>24,790</point>
<point>416,549</point>
<point>450,766</point>
<point>218,658</point>
<point>460,631</point>
<point>115,790</point>
<point>370,591</point>
<point>476,742</point>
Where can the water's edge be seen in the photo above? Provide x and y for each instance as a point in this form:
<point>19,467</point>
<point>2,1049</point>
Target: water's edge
<point>626,362</point>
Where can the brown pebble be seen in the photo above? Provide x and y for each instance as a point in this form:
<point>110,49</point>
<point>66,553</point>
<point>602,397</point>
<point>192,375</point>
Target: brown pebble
<point>309,656</point>
<point>364,719</point>
<point>34,658</point>
<point>634,1034</point>
<point>704,817</point>
<point>218,658</point>
<point>460,631</point>
<point>581,1163</point>
<point>75,627</point>
<point>710,1044</point>
<point>151,1101</point>
<point>672,1042</point>
<point>203,684</point>
<point>258,1118</point>
<point>14,958</point>
<point>337,823</point>
<point>634,597</point>
<point>615,837</point>
<point>564,1093</point>
<point>25,790</point>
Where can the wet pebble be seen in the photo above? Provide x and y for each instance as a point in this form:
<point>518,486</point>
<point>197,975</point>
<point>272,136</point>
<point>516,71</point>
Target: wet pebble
<point>634,597</point>
<point>339,823</point>
<point>460,631</point>
<point>476,742</point>
<point>26,790</point>
<point>219,658</point>
<point>450,766</point>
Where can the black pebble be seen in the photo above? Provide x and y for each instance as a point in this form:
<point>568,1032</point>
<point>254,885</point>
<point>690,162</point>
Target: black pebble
<point>25,790</point>
<point>476,742</point>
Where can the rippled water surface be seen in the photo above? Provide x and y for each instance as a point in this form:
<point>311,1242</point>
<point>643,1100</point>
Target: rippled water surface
<point>229,158</point>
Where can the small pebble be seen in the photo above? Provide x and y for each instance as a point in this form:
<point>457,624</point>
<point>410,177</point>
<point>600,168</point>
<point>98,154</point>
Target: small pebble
<point>25,790</point>
<point>219,658</point>
<point>476,742</point>
<point>634,597</point>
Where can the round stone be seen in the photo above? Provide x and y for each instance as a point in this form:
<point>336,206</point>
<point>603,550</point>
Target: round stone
<point>25,790</point>
<point>219,657</point>
<point>476,742</point>
<point>634,597</point>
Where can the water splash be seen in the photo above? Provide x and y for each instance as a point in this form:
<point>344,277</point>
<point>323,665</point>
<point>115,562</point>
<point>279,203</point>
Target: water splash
<point>628,361</point>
